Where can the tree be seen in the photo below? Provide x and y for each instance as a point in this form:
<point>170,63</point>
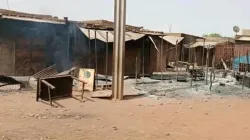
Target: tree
<point>212,35</point>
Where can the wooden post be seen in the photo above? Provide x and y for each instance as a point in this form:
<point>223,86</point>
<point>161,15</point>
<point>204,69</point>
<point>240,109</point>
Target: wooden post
<point>192,75</point>
<point>82,90</point>
<point>176,60</point>
<point>136,73</point>
<point>246,69</point>
<point>239,61</point>
<point>203,48</point>
<point>207,63</point>
<point>38,90</point>
<point>50,100</point>
<point>107,53</point>
<point>161,58</point>
<point>143,58</point>
<point>96,61</point>
<point>89,49</point>
<point>212,72</point>
<point>214,57</point>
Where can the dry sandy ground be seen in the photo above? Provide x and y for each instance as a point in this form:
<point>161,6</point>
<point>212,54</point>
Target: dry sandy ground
<point>215,118</point>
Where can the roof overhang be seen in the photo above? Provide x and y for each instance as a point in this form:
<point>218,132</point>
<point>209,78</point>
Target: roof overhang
<point>32,19</point>
<point>173,39</point>
<point>108,36</point>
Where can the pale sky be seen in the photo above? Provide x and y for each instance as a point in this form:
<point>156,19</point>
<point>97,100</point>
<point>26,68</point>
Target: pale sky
<point>188,16</point>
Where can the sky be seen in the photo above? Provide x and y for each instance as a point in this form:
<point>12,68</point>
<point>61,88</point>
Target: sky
<point>195,17</point>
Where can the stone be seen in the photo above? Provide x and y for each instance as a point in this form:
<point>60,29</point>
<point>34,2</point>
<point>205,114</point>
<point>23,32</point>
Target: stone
<point>204,100</point>
<point>67,124</point>
<point>31,115</point>
<point>63,110</point>
<point>114,128</point>
<point>44,117</point>
<point>78,117</point>
<point>229,105</point>
<point>167,134</point>
<point>170,81</point>
<point>179,103</point>
<point>130,114</point>
<point>206,113</point>
<point>161,104</point>
<point>190,107</point>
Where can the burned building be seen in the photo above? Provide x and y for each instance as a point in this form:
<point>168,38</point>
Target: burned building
<point>31,42</point>
<point>222,48</point>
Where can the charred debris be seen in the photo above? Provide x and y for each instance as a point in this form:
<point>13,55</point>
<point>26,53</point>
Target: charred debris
<point>43,46</point>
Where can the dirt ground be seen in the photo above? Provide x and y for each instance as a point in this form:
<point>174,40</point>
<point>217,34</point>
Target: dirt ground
<point>142,118</point>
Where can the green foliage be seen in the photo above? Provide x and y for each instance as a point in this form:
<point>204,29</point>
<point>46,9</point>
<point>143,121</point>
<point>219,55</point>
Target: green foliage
<point>212,35</point>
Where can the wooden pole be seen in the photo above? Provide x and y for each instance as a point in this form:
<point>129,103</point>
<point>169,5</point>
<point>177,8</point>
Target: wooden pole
<point>182,51</point>
<point>246,69</point>
<point>239,61</point>
<point>203,48</point>
<point>214,57</point>
<point>38,89</point>
<point>161,57</point>
<point>107,53</point>
<point>143,58</point>
<point>176,60</point>
<point>136,73</point>
<point>89,49</point>
<point>83,86</point>
<point>50,99</point>
<point>96,61</point>
<point>192,74</point>
<point>207,63</point>
<point>212,71</point>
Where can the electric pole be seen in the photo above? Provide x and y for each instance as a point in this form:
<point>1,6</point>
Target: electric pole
<point>119,49</point>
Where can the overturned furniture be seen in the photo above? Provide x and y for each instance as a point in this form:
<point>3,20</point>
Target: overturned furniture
<point>56,87</point>
<point>48,72</point>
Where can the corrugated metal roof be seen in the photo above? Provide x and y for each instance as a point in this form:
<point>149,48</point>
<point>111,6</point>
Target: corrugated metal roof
<point>244,38</point>
<point>152,40</point>
<point>101,35</point>
<point>173,39</point>
<point>207,44</point>
<point>33,19</point>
